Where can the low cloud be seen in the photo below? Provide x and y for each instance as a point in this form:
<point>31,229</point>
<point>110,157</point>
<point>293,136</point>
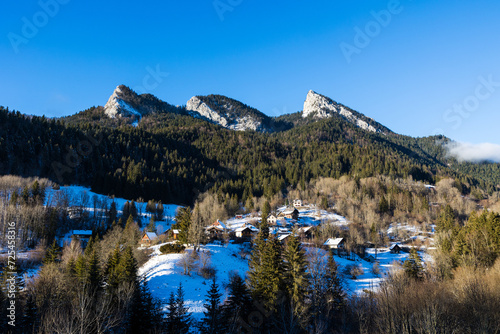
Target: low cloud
<point>474,152</point>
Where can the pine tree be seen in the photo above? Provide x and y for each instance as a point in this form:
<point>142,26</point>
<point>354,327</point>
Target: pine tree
<point>178,320</point>
<point>183,221</point>
<point>212,321</point>
<point>413,265</point>
<point>145,315</point>
<point>127,267</point>
<point>295,267</point>
<point>31,319</point>
<point>112,213</point>
<point>112,276</point>
<point>335,295</point>
<point>52,254</point>
<point>94,277</point>
<point>272,273</point>
<point>239,303</point>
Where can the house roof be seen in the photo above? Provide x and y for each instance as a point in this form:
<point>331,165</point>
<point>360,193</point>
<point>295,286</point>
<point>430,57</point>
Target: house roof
<point>221,224</point>
<point>333,242</point>
<point>82,232</point>
<point>394,246</point>
<point>289,211</point>
<point>175,231</point>
<point>151,235</point>
<point>284,236</point>
<point>305,228</point>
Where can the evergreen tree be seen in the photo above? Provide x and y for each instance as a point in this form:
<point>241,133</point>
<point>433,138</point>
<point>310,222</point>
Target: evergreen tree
<point>295,267</point>
<point>413,265</point>
<point>112,213</point>
<point>183,221</point>
<point>151,226</point>
<point>94,277</point>
<point>178,320</point>
<point>212,321</point>
<point>52,254</point>
<point>272,274</point>
<point>159,212</point>
<point>127,267</point>
<point>238,305</point>
<point>145,315</point>
<point>335,294</point>
<point>31,319</point>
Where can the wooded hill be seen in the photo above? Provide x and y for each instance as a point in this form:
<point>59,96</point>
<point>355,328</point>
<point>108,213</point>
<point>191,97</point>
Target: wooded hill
<point>172,156</point>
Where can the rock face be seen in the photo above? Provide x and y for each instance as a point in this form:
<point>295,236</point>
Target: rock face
<point>229,113</point>
<point>117,106</point>
<point>125,103</point>
<point>319,107</point>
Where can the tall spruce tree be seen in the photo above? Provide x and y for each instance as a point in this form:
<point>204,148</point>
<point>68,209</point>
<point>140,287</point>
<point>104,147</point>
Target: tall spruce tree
<point>295,267</point>
<point>238,305</point>
<point>212,321</point>
<point>178,320</point>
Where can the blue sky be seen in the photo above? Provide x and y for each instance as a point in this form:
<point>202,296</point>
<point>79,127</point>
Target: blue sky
<point>421,68</point>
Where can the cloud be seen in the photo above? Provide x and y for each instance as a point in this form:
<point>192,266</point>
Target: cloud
<point>474,152</point>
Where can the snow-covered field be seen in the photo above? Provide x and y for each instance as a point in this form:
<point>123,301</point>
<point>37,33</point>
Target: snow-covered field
<point>75,194</point>
<point>164,276</point>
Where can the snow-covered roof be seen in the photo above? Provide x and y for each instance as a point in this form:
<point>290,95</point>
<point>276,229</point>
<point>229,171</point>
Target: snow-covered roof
<point>333,242</point>
<point>82,232</point>
<point>244,227</point>
<point>289,211</point>
<point>218,225</point>
<point>394,246</point>
<point>176,231</point>
<point>305,228</point>
<point>151,235</point>
<point>283,236</point>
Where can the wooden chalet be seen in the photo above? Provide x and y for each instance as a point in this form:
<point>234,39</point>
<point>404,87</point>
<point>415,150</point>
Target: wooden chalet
<point>148,238</point>
<point>336,245</point>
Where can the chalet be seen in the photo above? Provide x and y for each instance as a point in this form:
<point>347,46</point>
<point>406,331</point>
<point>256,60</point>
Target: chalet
<point>148,238</point>
<point>291,213</point>
<point>395,249</point>
<point>272,219</point>
<point>216,230</point>
<point>297,203</point>
<point>239,216</point>
<point>283,238</point>
<point>175,234</point>
<point>245,231</point>
<point>82,235</point>
<point>336,245</point>
<point>305,231</point>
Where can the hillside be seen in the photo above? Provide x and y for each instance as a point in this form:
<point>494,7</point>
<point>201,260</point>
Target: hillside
<point>140,146</point>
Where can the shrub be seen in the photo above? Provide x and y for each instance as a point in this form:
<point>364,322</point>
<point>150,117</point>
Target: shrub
<point>207,272</point>
<point>172,248</point>
<point>353,270</point>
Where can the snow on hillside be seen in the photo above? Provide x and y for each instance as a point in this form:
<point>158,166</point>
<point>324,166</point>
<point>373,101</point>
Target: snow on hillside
<point>77,193</point>
<point>164,276</point>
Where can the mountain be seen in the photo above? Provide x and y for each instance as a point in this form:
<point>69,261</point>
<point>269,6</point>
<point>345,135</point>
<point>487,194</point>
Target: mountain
<point>125,103</point>
<point>318,106</point>
<point>232,114</point>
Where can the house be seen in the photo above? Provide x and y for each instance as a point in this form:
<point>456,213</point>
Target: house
<point>175,234</point>
<point>282,238</point>
<point>272,220</point>
<point>245,231</point>
<point>305,231</point>
<point>336,245</point>
<point>216,230</point>
<point>239,216</point>
<point>290,213</point>
<point>395,249</point>
<point>148,238</point>
<point>297,203</point>
<point>82,235</point>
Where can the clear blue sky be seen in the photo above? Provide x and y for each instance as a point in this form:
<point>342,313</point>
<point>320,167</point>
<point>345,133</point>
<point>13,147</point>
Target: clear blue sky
<point>267,54</point>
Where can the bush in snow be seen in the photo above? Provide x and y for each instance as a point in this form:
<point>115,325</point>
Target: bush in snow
<point>353,270</point>
<point>172,248</point>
